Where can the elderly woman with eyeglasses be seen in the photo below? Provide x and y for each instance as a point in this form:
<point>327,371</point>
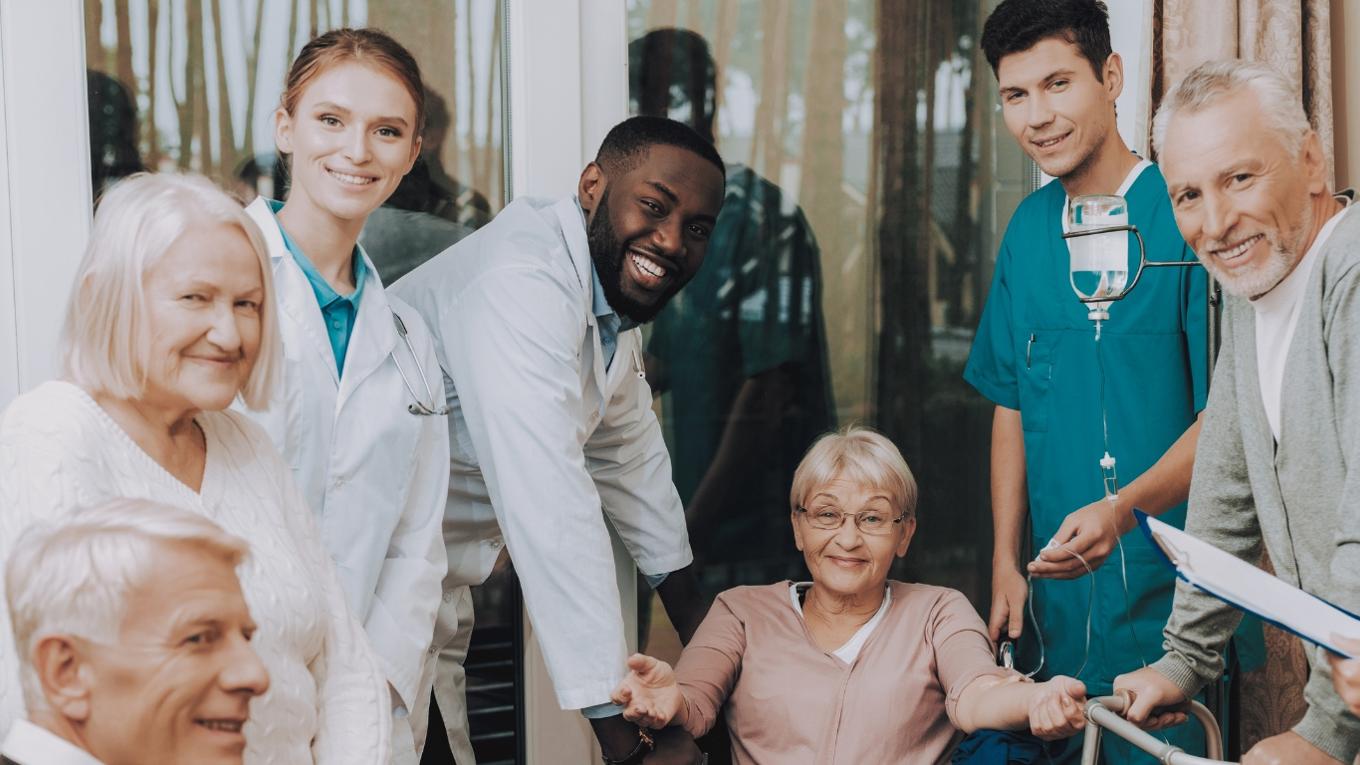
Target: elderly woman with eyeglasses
<point>850,667</point>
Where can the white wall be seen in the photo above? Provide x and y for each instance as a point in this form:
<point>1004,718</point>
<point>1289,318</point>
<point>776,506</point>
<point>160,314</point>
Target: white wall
<point>44,182</point>
<point>568,86</point>
<point>1131,38</point>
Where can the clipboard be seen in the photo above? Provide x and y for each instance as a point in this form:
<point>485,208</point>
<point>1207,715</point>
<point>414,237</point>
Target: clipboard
<point>1248,588</point>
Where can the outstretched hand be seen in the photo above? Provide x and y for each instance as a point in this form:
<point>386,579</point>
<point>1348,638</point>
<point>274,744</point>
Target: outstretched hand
<point>649,694</point>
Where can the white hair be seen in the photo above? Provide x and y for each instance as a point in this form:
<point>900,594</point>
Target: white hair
<point>1281,108</point>
<point>137,221</point>
<point>72,577</point>
<point>860,455</point>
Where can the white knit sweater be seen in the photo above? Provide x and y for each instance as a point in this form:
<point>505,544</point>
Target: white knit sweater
<point>327,701</point>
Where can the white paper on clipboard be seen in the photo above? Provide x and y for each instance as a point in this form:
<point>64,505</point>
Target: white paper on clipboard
<point>1249,588</point>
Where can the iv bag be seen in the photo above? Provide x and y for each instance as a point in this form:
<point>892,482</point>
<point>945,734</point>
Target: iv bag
<point>1099,262</point>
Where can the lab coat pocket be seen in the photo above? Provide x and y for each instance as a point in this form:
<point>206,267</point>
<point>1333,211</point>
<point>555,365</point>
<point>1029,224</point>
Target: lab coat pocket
<point>1036,380</point>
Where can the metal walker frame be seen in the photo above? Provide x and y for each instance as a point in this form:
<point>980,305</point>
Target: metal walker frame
<point>1106,712</point>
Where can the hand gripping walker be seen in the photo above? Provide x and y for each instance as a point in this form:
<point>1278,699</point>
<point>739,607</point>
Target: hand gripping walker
<point>1098,227</point>
<point>1106,712</point>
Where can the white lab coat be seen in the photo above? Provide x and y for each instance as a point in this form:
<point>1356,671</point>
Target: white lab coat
<point>542,438</point>
<point>375,474</point>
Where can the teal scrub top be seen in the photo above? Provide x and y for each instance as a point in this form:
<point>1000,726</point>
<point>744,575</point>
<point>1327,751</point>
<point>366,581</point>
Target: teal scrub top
<point>338,311</point>
<point>1035,351</point>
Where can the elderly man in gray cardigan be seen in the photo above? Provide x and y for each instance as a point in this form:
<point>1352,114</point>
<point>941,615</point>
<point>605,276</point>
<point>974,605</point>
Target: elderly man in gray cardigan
<point>1248,184</point>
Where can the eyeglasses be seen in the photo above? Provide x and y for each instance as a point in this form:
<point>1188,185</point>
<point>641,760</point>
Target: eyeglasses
<point>872,522</point>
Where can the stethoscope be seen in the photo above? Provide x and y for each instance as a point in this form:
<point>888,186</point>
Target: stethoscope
<point>435,408</point>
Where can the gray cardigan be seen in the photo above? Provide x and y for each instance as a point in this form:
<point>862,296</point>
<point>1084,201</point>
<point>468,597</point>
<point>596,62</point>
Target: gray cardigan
<point>1301,499</point>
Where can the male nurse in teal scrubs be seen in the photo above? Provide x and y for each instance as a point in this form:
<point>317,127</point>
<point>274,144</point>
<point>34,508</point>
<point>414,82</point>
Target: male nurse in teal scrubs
<point>1035,357</point>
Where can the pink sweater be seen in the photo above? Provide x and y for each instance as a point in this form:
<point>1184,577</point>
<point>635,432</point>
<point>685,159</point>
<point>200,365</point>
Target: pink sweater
<point>790,703</point>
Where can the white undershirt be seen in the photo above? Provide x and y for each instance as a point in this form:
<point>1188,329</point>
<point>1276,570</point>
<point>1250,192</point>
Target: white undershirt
<point>1277,315</point>
<point>848,652</point>
<point>1124,187</point>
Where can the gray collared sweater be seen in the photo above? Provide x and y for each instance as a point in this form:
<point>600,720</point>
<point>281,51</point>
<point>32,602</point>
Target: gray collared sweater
<point>1300,498</point>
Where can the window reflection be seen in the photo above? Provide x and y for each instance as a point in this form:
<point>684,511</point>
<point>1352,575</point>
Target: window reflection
<point>741,351</point>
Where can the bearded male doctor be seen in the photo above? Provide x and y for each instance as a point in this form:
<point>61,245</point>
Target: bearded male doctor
<point>552,435</point>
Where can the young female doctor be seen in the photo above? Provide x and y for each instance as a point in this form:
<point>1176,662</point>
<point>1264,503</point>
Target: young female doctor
<point>360,416</point>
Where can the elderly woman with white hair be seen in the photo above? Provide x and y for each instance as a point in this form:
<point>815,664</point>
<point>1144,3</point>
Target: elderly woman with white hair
<point>134,639</point>
<point>171,319</point>
<point>850,667</point>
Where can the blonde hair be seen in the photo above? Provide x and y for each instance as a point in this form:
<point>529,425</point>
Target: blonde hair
<point>104,343</point>
<point>1281,109</point>
<point>72,577</point>
<point>860,455</point>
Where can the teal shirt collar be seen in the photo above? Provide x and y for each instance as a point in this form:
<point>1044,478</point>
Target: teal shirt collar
<point>338,312</point>
<point>607,319</point>
<point>326,296</point>
<point>599,304</point>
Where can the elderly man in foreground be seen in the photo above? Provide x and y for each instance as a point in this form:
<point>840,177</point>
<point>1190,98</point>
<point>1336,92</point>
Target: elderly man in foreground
<point>134,640</point>
<point>1248,184</point>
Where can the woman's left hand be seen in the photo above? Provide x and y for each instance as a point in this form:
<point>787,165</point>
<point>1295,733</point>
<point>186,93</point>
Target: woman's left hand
<point>649,694</point>
<point>1055,708</point>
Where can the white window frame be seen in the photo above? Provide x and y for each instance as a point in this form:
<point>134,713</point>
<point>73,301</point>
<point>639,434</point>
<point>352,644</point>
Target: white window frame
<point>565,92</point>
<point>44,182</point>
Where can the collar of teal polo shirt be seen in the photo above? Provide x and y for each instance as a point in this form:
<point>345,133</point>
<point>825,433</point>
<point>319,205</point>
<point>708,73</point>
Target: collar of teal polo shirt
<point>327,298</point>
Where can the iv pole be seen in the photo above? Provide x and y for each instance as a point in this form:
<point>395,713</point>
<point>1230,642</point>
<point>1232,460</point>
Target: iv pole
<point>1212,303</point>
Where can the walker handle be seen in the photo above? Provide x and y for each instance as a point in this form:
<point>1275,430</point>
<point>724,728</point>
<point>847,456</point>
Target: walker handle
<point>1106,712</point>
<point>1123,699</point>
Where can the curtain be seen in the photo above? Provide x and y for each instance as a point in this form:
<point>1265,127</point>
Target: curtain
<point>1293,36</point>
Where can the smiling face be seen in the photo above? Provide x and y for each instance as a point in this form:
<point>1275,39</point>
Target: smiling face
<point>203,298</point>
<point>176,686</point>
<point>352,137</point>
<point>1241,201</point>
<point>846,561</point>
<point>1052,103</point>
<point>648,226</point>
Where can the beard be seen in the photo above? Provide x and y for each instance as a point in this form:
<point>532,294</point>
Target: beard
<point>608,254</point>
<point>1284,255</point>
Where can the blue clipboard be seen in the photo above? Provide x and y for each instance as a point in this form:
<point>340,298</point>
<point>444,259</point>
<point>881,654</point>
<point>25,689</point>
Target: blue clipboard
<point>1301,631</point>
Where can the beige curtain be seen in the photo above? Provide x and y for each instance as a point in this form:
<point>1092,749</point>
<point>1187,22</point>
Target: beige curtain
<point>1294,36</point>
